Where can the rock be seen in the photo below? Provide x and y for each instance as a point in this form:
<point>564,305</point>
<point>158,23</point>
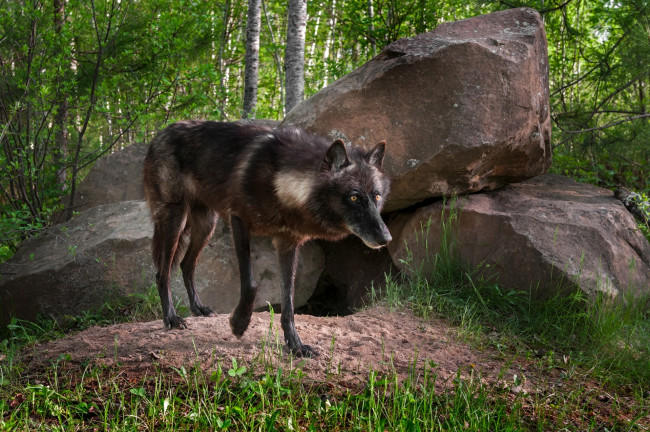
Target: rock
<point>464,108</point>
<point>106,251</point>
<point>549,231</point>
<point>351,271</point>
<point>218,272</point>
<point>115,177</point>
<point>79,264</point>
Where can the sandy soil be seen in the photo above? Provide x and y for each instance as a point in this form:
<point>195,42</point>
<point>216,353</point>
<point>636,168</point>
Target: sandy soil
<point>349,348</point>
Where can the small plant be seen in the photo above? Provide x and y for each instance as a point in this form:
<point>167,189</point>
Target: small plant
<point>236,371</point>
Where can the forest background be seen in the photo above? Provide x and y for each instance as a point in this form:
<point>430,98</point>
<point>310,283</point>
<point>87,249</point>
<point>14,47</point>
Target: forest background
<point>82,78</point>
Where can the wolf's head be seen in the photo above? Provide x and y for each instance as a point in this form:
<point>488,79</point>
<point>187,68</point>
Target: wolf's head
<point>357,188</point>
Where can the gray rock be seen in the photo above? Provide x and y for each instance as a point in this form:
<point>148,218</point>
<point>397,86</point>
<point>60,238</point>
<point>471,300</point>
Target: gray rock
<point>463,108</point>
<point>544,234</point>
<point>106,251</point>
<point>115,177</point>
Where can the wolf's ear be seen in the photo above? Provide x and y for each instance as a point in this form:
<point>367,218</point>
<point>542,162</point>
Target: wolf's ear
<point>336,157</point>
<point>376,155</point>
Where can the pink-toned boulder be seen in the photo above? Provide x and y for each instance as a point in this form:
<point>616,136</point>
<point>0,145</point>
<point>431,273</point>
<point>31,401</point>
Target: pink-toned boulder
<point>463,108</point>
<point>544,234</point>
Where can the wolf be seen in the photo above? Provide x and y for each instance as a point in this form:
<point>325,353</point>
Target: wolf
<point>285,183</point>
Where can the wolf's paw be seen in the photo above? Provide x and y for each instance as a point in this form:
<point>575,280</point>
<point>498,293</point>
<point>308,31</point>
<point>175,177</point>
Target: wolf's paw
<point>239,321</point>
<point>175,322</point>
<point>203,311</point>
<point>303,351</point>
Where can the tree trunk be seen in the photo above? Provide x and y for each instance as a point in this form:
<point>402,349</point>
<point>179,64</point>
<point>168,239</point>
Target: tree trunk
<point>251,70</point>
<point>61,105</point>
<point>294,56</point>
<point>312,49</point>
<point>224,37</point>
<point>329,41</point>
<point>276,56</point>
<point>371,29</point>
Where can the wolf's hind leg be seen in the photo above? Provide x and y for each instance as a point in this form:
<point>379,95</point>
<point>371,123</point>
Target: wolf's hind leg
<point>169,224</point>
<point>241,316</point>
<point>201,223</point>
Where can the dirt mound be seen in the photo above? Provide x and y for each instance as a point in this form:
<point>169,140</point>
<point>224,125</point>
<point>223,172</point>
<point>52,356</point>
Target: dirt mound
<point>375,339</point>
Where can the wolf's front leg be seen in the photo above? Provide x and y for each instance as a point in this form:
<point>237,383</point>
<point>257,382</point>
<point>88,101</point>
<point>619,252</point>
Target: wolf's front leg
<point>241,316</point>
<point>288,260</point>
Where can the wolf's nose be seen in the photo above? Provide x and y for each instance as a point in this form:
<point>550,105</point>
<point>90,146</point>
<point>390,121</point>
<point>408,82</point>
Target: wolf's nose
<point>386,239</point>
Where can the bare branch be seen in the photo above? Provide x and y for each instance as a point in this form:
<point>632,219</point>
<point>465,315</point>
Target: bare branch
<point>593,69</point>
<point>631,161</point>
<point>608,125</point>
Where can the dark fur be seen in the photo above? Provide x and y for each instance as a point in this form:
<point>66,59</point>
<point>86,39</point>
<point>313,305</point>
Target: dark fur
<point>284,183</point>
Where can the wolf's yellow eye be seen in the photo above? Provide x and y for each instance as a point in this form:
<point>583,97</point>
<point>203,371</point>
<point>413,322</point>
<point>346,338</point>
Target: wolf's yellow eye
<point>377,197</point>
<point>353,198</point>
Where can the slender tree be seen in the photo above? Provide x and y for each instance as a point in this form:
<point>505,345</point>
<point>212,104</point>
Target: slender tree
<point>276,56</point>
<point>294,55</point>
<point>371,28</point>
<point>61,105</point>
<point>251,70</point>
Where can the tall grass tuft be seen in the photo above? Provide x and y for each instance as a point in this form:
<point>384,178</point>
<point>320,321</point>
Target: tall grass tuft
<point>609,336</point>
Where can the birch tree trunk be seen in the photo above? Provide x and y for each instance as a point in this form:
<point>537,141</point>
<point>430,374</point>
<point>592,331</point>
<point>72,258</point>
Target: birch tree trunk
<point>225,36</point>
<point>294,55</point>
<point>312,49</point>
<point>251,70</point>
<point>371,29</point>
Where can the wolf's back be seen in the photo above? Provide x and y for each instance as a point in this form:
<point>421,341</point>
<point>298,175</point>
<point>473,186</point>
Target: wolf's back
<point>189,158</point>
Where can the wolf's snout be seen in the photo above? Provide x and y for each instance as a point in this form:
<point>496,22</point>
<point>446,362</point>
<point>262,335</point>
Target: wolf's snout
<point>379,238</point>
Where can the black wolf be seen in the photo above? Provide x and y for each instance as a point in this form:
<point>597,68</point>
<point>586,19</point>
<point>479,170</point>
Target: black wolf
<point>284,183</point>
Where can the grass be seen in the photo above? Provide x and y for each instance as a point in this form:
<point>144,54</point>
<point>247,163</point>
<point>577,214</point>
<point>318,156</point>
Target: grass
<point>276,399</point>
<point>611,337</point>
<point>266,396</point>
<point>597,351</point>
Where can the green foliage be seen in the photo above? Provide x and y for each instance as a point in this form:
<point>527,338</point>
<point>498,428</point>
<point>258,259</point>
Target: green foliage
<point>112,73</point>
<point>598,52</point>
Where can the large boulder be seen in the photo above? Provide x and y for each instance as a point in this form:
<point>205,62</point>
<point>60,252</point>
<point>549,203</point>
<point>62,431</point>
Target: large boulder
<point>545,234</point>
<point>115,177</point>
<point>352,271</point>
<point>106,250</point>
<point>464,108</point>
